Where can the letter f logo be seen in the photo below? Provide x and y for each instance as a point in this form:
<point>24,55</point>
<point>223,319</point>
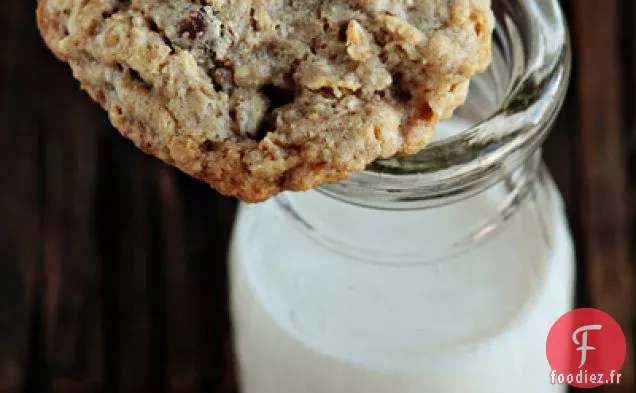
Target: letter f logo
<point>584,348</point>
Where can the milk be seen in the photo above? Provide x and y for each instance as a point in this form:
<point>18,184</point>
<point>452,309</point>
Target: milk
<point>455,299</point>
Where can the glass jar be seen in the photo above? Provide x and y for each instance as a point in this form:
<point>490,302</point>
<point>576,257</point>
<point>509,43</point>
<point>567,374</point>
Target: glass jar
<point>440,272</point>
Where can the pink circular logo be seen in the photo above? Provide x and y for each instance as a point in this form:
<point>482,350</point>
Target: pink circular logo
<point>586,348</point>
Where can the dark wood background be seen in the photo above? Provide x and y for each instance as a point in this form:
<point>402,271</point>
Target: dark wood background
<point>112,272</point>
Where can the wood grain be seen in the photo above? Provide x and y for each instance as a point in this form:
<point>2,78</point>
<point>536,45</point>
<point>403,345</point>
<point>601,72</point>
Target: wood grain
<point>604,206</point>
<point>72,278</point>
<point>123,226</point>
<point>186,364</point>
<point>20,226</point>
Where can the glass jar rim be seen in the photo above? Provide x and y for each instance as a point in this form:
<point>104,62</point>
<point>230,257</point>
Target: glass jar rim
<point>533,36</point>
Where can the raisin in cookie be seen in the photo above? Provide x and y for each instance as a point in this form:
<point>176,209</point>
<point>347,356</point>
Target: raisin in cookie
<point>261,96</point>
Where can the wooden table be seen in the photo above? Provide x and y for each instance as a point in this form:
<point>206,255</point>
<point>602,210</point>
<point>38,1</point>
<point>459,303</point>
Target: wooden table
<point>112,273</point>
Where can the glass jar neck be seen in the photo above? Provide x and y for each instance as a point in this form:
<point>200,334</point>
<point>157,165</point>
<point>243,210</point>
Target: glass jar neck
<point>406,237</point>
<point>508,113</point>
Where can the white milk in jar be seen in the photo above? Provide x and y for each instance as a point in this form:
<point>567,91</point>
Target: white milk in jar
<point>308,319</point>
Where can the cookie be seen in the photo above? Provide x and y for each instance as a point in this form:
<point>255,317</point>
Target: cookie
<point>256,97</point>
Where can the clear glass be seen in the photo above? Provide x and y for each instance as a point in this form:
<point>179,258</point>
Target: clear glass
<point>441,272</point>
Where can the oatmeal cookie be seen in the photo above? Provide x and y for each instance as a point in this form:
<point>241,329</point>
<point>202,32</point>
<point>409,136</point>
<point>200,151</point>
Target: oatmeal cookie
<point>260,96</point>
